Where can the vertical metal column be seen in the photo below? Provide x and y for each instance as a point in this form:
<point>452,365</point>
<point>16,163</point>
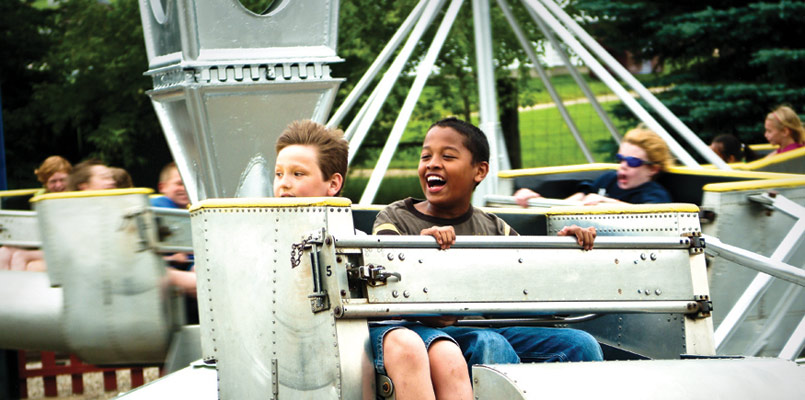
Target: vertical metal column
<point>489,119</point>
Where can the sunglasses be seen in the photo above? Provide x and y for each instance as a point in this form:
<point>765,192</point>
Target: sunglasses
<point>633,162</point>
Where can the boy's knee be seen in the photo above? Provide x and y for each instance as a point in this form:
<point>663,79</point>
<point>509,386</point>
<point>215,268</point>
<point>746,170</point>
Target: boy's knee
<point>585,348</point>
<point>403,346</point>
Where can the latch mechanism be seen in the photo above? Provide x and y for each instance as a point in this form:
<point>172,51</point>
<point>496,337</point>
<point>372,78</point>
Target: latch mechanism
<point>374,275</point>
<point>319,301</point>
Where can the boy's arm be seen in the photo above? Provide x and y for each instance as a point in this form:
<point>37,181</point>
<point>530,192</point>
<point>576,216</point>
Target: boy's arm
<point>584,236</point>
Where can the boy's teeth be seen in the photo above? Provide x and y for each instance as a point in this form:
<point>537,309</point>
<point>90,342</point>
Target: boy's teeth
<point>435,180</point>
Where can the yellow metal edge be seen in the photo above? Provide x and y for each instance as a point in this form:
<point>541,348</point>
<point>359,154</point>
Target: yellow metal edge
<point>732,174</point>
<point>763,146</point>
<point>766,161</point>
<point>623,209</point>
<point>20,192</point>
<point>514,173</point>
<point>91,193</point>
<point>271,202</point>
<point>754,185</point>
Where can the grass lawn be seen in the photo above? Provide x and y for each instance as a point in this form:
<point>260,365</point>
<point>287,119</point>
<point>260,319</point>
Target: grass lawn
<point>545,140</point>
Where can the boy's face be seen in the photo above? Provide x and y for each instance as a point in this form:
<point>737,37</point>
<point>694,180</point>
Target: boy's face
<point>297,174</point>
<point>100,179</point>
<point>173,188</point>
<point>447,174</point>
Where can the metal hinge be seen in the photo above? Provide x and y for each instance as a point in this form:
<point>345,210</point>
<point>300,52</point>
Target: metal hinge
<point>695,241</point>
<point>705,305</point>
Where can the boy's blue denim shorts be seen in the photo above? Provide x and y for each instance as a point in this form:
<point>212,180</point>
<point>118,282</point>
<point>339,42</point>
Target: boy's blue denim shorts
<point>378,331</point>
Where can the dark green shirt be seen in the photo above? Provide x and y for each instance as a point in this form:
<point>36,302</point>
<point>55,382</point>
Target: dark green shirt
<point>402,218</point>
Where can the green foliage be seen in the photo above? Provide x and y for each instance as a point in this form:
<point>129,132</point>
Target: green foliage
<point>91,100</point>
<point>730,62</point>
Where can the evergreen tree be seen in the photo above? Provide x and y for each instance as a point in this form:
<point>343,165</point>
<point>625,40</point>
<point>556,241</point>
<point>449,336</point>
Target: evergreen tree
<point>728,62</point>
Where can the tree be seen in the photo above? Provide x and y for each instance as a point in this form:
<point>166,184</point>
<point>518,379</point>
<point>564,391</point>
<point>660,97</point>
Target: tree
<point>730,61</point>
<point>364,28</point>
<point>90,100</point>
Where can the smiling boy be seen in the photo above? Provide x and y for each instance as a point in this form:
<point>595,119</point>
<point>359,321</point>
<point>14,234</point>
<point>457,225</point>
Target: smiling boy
<point>454,160</point>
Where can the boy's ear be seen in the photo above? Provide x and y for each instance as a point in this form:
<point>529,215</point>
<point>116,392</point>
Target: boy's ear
<point>334,184</point>
<point>481,171</point>
<point>160,187</point>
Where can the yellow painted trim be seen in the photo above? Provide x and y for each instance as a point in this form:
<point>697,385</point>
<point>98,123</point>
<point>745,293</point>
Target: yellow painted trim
<point>514,173</point>
<point>623,209</point>
<point>763,146</point>
<point>776,159</point>
<point>385,227</point>
<point>91,193</point>
<point>754,185</point>
<point>277,202</point>
<point>20,192</point>
<point>731,174</point>
<point>370,207</point>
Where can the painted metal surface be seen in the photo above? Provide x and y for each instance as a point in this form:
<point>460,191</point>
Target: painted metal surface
<point>752,378</point>
<point>223,96</point>
<point>116,301</point>
<point>256,319</point>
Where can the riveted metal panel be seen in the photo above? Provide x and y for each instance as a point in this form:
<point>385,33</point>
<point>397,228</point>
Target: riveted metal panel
<point>256,315</point>
<point>117,306</point>
<point>211,31</point>
<point>532,274</point>
<point>629,224</point>
<point>743,223</point>
<point>752,378</point>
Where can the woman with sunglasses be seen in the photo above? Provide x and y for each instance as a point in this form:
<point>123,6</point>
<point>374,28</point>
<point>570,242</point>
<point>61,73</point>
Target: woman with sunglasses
<point>643,155</point>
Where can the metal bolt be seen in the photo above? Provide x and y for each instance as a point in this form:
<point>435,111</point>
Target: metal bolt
<point>520,260</point>
<point>647,292</point>
<point>395,293</point>
<point>406,294</point>
<point>525,291</point>
<point>635,261</point>
<point>425,290</point>
<point>643,256</point>
<point>390,256</point>
<point>401,256</point>
<point>338,259</point>
<point>658,292</point>
<point>420,261</point>
<point>343,292</point>
<point>653,256</point>
<point>639,291</point>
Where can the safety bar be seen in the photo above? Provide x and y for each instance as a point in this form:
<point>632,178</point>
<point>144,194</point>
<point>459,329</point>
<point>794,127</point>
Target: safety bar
<point>521,242</point>
<point>385,310</point>
<point>757,262</point>
<point>544,321</point>
<point>542,202</point>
